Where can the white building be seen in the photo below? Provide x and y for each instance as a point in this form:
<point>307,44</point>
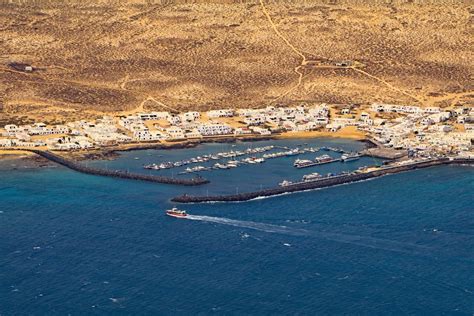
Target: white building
<point>6,143</point>
<point>190,116</point>
<point>11,129</point>
<point>154,116</point>
<point>194,133</point>
<point>175,132</point>
<point>255,120</point>
<point>212,129</point>
<point>220,113</point>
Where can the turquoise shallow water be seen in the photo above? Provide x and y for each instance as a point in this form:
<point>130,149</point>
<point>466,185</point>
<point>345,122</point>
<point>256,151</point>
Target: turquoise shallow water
<point>80,244</point>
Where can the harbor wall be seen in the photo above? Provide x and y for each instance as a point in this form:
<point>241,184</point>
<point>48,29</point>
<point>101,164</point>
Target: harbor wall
<point>116,173</point>
<point>322,183</point>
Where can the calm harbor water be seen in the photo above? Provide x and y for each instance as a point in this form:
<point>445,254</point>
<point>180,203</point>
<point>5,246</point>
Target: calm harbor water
<point>80,244</point>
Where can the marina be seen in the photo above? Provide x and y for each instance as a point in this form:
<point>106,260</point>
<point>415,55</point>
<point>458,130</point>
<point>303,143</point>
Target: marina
<point>251,158</point>
<point>317,182</point>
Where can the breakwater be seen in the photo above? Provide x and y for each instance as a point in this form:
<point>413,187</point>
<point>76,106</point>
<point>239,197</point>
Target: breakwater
<point>320,183</point>
<point>117,173</point>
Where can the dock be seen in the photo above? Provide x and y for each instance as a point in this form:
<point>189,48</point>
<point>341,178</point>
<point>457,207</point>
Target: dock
<point>73,165</point>
<point>323,182</point>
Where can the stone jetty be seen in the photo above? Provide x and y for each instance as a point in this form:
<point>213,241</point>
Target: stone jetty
<point>322,183</point>
<point>117,173</point>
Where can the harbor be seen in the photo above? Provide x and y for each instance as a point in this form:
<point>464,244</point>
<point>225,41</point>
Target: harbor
<point>324,182</point>
<point>73,165</point>
<point>230,159</point>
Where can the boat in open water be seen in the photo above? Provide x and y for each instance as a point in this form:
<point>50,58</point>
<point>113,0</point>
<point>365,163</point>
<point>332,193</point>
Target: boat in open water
<point>174,212</point>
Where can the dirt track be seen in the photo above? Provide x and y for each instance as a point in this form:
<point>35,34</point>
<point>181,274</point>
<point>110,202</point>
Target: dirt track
<point>117,57</point>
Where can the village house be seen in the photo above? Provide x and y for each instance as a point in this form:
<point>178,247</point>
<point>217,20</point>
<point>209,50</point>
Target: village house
<point>129,120</point>
<point>432,110</point>
<point>7,143</point>
<point>213,129</point>
<point>220,113</point>
<point>260,130</point>
<point>11,129</point>
<point>255,120</point>
<point>309,126</point>
<point>43,129</point>
<point>242,131</point>
<point>342,121</point>
<point>346,111</point>
<point>175,132</point>
<point>190,116</point>
<point>154,116</point>
<point>193,133</point>
<point>174,120</point>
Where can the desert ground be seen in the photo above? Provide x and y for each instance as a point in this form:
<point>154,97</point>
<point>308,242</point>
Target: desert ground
<point>90,58</point>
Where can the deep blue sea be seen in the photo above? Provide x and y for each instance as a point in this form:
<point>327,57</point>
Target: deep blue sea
<point>85,245</point>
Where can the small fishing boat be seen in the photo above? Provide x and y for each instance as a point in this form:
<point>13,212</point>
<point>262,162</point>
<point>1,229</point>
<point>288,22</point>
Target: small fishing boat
<point>174,212</point>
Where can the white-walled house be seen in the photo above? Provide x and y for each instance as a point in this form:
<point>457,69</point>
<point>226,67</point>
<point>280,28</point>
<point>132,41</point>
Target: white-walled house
<point>154,116</point>
<point>193,133</point>
<point>175,132</point>
<point>212,129</point>
<point>255,120</point>
<point>11,129</point>
<point>220,113</point>
<point>190,116</point>
<point>7,143</point>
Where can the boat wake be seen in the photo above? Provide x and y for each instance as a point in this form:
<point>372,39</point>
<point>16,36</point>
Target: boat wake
<point>358,240</point>
<point>268,228</point>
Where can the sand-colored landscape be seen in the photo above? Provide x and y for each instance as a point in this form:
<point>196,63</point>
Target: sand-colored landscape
<point>95,57</point>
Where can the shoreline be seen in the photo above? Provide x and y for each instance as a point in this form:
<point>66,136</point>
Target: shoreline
<point>112,152</point>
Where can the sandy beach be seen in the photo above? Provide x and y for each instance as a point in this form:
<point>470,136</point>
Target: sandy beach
<point>12,154</point>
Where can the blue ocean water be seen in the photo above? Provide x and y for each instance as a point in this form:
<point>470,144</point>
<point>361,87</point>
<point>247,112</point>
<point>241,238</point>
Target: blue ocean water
<point>78,244</point>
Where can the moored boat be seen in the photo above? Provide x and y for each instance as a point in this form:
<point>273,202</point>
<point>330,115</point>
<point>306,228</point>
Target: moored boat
<point>302,162</point>
<point>323,159</point>
<point>311,176</point>
<point>285,183</point>
<point>349,157</point>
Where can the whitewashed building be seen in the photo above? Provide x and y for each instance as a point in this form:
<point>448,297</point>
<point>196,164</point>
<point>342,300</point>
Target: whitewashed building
<point>212,129</point>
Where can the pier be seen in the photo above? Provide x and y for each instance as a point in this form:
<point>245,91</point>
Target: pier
<point>323,182</point>
<point>73,165</point>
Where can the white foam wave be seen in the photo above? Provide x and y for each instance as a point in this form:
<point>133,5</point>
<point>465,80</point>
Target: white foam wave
<point>358,240</point>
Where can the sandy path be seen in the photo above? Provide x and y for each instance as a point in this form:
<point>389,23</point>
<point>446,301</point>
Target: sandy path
<point>293,48</point>
<point>387,84</point>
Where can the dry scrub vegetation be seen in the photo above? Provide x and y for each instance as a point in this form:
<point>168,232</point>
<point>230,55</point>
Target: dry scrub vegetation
<point>113,56</point>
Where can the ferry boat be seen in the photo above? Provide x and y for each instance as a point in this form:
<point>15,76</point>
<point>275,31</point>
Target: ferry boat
<point>174,212</point>
<point>311,176</point>
<point>349,157</point>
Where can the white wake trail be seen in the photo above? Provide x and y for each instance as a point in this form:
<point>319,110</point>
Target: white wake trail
<point>268,228</point>
<point>358,240</point>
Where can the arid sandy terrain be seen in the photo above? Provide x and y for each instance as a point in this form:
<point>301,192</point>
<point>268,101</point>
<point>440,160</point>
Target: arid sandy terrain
<point>125,56</point>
